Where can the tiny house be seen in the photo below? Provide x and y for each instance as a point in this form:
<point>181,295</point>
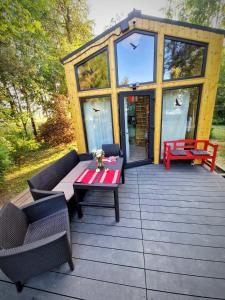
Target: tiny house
<point>144,81</point>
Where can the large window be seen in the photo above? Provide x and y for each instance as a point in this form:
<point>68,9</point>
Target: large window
<point>98,122</point>
<point>94,73</point>
<point>136,58</point>
<point>183,59</point>
<point>179,114</point>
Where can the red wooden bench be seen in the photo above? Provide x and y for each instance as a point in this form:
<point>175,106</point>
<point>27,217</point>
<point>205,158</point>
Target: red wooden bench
<point>189,149</point>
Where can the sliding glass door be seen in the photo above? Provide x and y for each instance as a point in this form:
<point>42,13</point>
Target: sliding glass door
<point>97,118</point>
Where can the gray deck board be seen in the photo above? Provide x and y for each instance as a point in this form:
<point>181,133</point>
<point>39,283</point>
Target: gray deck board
<point>168,245</point>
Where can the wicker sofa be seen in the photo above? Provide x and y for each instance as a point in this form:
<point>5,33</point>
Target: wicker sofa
<point>34,238</point>
<point>59,177</point>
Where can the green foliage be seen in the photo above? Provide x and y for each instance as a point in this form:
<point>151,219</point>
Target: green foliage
<point>21,147</point>
<point>58,128</point>
<point>218,133</point>
<point>95,72</point>
<point>202,12</point>
<point>219,112</point>
<point>4,159</point>
<point>207,13</point>
<point>34,35</point>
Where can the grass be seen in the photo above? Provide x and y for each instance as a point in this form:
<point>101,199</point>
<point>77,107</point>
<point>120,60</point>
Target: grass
<point>16,177</point>
<point>218,136</point>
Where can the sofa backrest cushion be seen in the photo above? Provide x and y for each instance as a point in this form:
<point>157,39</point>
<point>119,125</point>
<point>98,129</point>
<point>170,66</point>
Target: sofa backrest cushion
<point>13,226</point>
<point>48,178</point>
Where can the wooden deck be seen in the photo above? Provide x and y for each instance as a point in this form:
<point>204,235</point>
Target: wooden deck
<point>168,245</point>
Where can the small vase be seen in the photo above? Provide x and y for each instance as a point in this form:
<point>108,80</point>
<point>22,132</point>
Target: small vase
<point>100,164</point>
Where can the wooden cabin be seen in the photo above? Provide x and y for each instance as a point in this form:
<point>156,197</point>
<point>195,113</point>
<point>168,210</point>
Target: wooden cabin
<point>143,81</point>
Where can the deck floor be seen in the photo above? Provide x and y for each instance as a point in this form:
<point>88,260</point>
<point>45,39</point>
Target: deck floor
<point>168,245</point>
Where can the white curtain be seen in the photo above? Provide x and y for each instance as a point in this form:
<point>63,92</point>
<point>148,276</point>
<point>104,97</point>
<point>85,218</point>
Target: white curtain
<point>98,122</point>
<point>175,115</point>
<point>126,128</point>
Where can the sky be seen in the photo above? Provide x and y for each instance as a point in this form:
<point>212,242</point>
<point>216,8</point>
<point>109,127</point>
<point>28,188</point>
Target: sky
<point>102,11</point>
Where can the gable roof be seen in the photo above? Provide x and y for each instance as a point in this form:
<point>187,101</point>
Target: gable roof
<point>137,14</point>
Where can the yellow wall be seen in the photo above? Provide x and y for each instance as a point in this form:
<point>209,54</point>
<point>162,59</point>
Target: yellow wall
<point>209,81</point>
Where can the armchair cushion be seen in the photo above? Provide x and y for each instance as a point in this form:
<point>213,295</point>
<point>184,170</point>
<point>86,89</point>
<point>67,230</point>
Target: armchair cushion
<point>13,226</point>
<point>45,207</point>
<point>47,227</point>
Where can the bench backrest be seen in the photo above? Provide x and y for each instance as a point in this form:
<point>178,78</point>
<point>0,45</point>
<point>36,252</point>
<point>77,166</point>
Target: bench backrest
<point>48,178</point>
<point>187,144</point>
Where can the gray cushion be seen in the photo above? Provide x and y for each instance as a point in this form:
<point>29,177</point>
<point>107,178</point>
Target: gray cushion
<point>13,226</point>
<point>66,188</point>
<point>178,152</point>
<point>48,226</point>
<point>66,184</point>
<point>199,152</point>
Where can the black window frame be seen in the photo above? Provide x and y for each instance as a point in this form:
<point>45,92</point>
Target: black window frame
<point>200,88</point>
<point>190,42</point>
<point>76,66</point>
<point>145,32</point>
<point>82,100</point>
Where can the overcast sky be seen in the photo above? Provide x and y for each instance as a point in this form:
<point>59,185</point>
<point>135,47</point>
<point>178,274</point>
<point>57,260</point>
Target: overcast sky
<point>102,11</point>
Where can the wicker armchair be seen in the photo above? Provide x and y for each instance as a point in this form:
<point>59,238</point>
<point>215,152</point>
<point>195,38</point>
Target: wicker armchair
<point>112,150</point>
<point>35,238</point>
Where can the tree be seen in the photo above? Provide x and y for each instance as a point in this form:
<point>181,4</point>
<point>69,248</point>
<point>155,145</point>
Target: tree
<point>207,13</point>
<point>58,129</point>
<point>202,12</point>
<point>33,37</point>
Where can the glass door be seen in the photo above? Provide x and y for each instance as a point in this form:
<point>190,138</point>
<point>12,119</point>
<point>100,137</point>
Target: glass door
<point>137,127</point>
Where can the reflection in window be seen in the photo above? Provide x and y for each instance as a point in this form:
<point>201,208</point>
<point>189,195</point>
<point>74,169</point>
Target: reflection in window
<point>135,59</point>
<point>94,73</point>
<point>182,59</point>
<point>98,122</point>
<point>179,114</point>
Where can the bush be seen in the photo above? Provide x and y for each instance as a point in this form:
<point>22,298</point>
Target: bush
<point>58,128</point>
<point>4,159</point>
<point>21,147</point>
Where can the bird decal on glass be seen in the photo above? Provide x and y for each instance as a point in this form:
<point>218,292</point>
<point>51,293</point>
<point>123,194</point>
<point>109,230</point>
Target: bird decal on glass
<point>177,103</point>
<point>95,109</point>
<point>134,46</point>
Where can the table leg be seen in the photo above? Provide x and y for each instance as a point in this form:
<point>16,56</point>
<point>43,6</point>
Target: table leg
<point>116,203</point>
<point>123,176</point>
<point>78,206</point>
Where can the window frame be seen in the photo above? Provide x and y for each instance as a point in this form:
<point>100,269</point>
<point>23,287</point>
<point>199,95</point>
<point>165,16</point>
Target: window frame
<point>82,100</point>
<point>200,88</point>
<point>76,66</point>
<point>190,42</point>
<point>145,32</point>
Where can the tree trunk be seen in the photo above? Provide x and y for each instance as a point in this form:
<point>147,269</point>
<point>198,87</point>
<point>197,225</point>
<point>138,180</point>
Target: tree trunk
<point>34,128</point>
<point>21,111</point>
